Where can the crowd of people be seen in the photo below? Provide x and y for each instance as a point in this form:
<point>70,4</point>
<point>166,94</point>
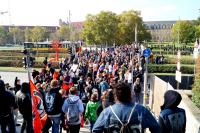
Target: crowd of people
<point>101,88</point>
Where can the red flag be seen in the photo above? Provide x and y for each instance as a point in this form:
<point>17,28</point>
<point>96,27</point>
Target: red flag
<point>38,111</point>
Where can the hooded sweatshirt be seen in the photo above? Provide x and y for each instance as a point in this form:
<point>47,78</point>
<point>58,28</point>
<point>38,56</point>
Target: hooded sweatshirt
<point>91,110</point>
<point>172,119</point>
<point>73,99</point>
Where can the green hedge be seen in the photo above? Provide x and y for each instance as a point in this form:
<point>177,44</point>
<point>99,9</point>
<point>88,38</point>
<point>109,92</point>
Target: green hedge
<point>169,68</point>
<point>184,59</point>
<point>196,98</point>
<point>171,52</point>
<point>20,64</point>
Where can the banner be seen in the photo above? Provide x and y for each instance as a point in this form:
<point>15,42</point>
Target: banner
<point>39,114</point>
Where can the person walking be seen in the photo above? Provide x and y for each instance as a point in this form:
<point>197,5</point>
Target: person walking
<point>73,108</point>
<point>53,105</point>
<point>91,110</point>
<point>25,107</point>
<point>137,90</point>
<point>124,115</point>
<point>7,103</point>
<point>172,119</point>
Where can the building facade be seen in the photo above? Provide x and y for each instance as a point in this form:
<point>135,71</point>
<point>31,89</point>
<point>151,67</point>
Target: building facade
<point>160,30</point>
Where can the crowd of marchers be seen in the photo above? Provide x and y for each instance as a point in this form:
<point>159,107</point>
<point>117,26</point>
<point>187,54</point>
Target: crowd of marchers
<point>101,89</point>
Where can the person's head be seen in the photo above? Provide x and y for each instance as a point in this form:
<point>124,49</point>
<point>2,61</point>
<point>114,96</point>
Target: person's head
<point>44,85</point>
<point>38,85</point>
<point>73,91</point>
<point>137,80</point>
<point>94,97</point>
<point>25,87</point>
<point>54,83</point>
<point>122,92</point>
<point>2,86</point>
<point>171,100</point>
<point>61,78</point>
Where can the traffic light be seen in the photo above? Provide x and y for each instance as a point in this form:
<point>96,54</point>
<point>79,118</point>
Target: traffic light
<point>31,61</point>
<point>24,62</point>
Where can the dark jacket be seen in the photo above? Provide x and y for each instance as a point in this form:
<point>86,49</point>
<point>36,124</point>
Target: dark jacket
<point>53,102</point>
<point>172,119</point>
<point>7,101</point>
<point>24,101</point>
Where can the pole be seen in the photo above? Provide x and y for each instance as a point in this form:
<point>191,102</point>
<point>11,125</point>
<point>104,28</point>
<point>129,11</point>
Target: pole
<point>145,82</point>
<point>28,65</point>
<point>136,33</point>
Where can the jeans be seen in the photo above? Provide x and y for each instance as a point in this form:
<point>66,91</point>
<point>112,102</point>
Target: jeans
<point>74,128</point>
<point>56,124</point>
<point>7,122</point>
<point>91,125</point>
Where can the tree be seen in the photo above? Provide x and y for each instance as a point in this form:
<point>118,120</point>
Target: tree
<point>101,28</point>
<point>27,34</point>
<point>108,28</point>
<point>64,32</point>
<point>128,22</point>
<point>3,36</point>
<point>17,35</point>
<point>197,31</point>
<point>184,30</point>
<point>88,32</point>
<point>38,34</point>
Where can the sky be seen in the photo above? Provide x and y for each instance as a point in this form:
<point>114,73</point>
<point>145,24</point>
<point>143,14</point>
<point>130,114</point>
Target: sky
<point>48,12</point>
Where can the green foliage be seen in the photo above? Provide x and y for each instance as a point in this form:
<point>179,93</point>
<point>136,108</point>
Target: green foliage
<point>196,85</point>
<point>184,59</point>
<point>38,33</point>
<point>109,28</point>
<point>184,30</point>
<point>197,33</point>
<point>3,36</point>
<point>169,68</point>
<point>17,34</point>
<point>196,98</point>
<point>101,28</point>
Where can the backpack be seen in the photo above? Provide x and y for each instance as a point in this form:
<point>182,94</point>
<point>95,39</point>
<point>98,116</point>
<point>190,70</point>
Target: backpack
<point>73,112</point>
<point>126,127</point>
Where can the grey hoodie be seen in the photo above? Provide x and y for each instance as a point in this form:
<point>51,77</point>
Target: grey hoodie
<point>73,99</point>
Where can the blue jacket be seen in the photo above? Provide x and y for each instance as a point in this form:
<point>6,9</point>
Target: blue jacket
<point>172,120</point>
<point>140,116</point>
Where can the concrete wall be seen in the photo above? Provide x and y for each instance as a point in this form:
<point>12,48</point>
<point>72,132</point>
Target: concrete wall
<point>192,112</point>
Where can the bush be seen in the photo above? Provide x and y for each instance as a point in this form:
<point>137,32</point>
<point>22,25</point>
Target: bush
<point>196,85</point>
<point>169,68</point>
<point>14,63</point>
<point>196,98</point>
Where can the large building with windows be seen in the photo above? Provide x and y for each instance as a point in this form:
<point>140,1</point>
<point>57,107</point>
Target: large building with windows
<point>160,30</point>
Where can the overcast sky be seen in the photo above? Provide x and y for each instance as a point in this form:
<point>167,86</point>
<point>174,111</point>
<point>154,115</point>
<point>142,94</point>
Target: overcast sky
<point>48,12</point>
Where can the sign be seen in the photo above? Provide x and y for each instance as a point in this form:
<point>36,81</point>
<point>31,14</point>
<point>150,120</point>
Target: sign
<point>146,52</point>
<point>195,53</point>
<point>178,76</point>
